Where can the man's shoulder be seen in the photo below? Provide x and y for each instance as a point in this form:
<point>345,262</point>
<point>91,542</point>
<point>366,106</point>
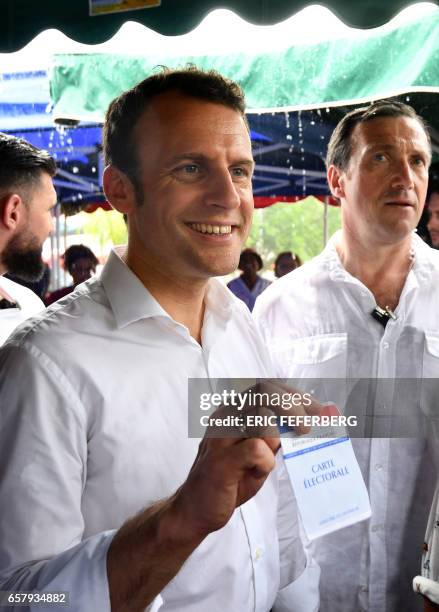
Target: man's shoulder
<point>81,312</point>
<point>293,285</point>
<point>29,302</point>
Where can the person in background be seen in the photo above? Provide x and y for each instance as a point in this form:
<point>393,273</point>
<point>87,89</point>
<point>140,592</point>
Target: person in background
<point>368,307</point>
<point>286,262</point>
<point>80,262</point>
<point>249,285</point>
<point>27,197</point>
<point>433,210</point>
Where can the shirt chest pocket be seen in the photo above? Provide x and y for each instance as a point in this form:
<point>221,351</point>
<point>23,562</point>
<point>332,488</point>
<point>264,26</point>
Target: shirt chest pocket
<point>430,362</point>
<point>323,356</point>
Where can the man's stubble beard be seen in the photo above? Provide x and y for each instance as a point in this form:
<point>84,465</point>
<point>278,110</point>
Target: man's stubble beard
<point>22,257</point>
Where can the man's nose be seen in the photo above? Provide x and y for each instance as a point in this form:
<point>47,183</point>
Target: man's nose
<point>403,177</point>
<point>223,191</point>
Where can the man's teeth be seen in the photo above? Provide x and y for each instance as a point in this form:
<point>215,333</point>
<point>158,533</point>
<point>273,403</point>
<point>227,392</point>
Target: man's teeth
<point>211,229</point>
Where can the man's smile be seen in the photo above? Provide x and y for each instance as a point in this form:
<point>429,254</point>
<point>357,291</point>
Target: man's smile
<point>211,228</point>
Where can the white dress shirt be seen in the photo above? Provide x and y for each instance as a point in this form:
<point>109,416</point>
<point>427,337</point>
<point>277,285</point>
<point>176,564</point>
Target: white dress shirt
<point>317,324</point>
<point>94,428</point>
<point>29,305</point>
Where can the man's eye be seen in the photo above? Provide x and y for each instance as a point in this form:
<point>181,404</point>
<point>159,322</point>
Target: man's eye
<point>379,157</point>
<point>419,161</point>
<point>190,169</point>
<point>239,171</point>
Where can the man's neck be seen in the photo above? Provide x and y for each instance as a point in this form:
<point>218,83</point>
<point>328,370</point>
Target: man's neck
<point>181,298</point>
<point>382,268</point>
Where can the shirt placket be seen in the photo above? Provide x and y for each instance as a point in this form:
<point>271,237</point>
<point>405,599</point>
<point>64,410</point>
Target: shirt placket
<point>252,524</point>
<point>254,530</point>
<point>380,465</point>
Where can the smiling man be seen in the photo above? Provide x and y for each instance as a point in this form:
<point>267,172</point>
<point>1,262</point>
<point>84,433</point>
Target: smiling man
<point>367,308</point>
<point>99,434</point>
<point>27,197</point>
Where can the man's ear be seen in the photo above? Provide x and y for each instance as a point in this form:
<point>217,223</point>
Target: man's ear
<point>119,190</point>
<point>11,211</point>
<point>336,181</point>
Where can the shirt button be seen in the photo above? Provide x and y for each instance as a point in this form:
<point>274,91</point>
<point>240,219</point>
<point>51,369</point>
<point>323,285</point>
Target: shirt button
<point>386,345</point>
<point>379,467</point>
<point>259,553</point>
<point>375,528</point>
<point>363,588</point>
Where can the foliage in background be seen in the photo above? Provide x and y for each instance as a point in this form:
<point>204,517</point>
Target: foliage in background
<point>294,227</point>
<point>107,227</point>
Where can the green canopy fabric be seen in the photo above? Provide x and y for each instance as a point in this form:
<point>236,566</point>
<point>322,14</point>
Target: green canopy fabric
<point>359,65</point>
<point>22,20</point>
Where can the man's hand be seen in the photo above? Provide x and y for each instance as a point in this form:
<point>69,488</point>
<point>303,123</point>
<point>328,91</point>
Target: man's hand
<point>227,472</point>
<point>148,551</point>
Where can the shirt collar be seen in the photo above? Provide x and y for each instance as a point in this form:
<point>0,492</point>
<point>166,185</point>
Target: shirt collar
<point>424,264</point>
<point>422,269</point>
<point>130,300</point>
<point>331,260</point>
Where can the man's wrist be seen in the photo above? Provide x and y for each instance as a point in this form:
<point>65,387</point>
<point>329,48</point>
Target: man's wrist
<point>180,524</point>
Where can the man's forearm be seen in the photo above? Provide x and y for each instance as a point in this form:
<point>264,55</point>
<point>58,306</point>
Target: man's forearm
<point>146,553</point>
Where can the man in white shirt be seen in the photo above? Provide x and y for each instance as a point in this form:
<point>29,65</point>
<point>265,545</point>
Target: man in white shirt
<point>99,433</point>
<point>367,307</point>
<point>27,196</point>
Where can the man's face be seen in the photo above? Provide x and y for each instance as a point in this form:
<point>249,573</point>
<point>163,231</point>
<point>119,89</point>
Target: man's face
<point>82,269</point>
<point>196,165</point>
<point>433,221</point>
<point>384,186</point>
<point>22,254</point>
<point>249,264</point>
<point>285,265</point>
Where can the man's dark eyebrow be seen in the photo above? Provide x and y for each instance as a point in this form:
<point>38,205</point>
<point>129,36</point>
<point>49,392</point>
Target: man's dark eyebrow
<point>199,157</point>
<point>379,145</point>
<point>387,145</point>
<point>186,156</point>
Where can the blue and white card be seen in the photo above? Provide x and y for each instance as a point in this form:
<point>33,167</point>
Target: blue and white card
<point>327,481</point>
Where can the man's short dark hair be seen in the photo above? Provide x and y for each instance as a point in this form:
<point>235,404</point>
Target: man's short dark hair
<point>124,112</point>
<point>21,164</point>
<point>340,143</point>
<point>252,254</point>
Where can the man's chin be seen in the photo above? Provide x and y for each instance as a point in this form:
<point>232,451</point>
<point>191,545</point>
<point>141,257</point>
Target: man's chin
<point>28,266</point>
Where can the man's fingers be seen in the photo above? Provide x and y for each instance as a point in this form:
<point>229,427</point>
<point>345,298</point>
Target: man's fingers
<point>259,417</point>
<point>253,455</point>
